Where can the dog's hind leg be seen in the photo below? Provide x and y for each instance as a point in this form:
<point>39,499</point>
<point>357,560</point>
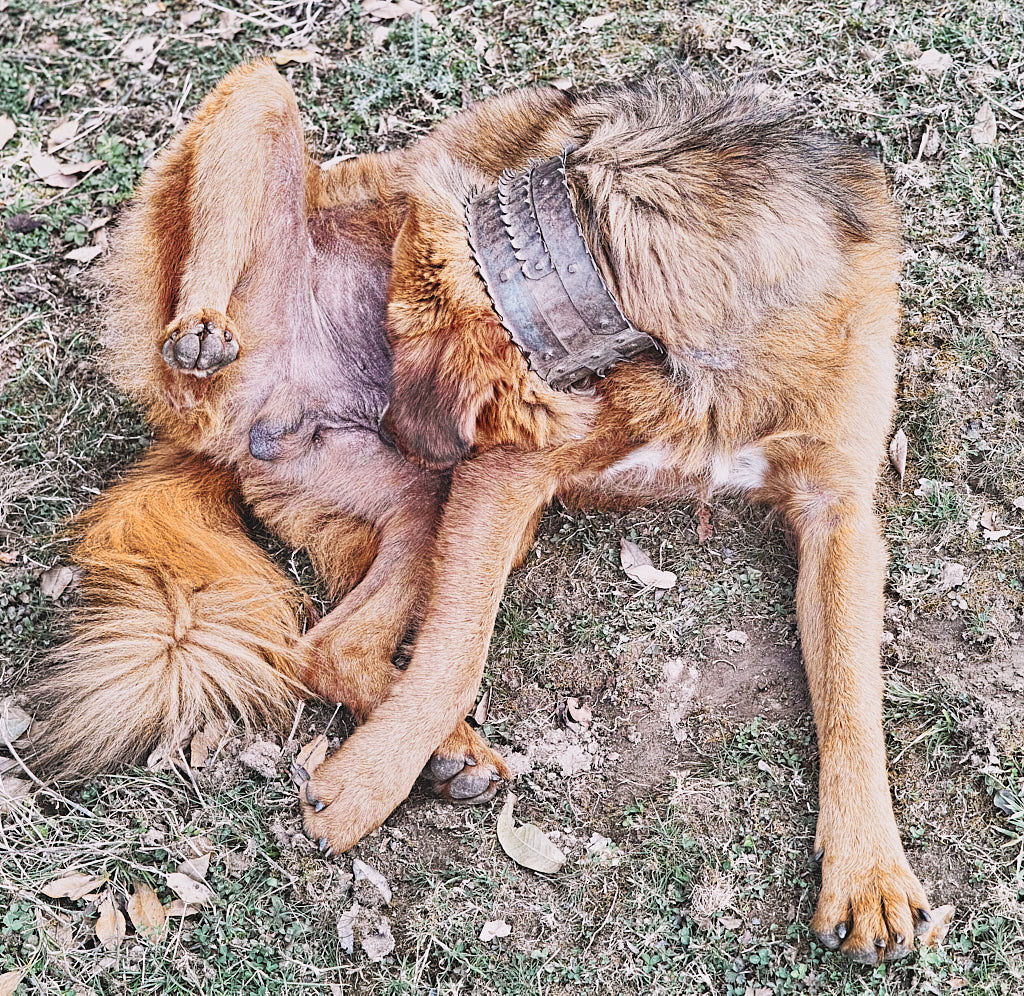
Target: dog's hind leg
<point>182,619</point>
<point>871,902</point>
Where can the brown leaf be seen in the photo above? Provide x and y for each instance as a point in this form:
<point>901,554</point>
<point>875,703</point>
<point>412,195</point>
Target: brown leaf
<point>75,885</point>
<point>938,928</point>
<point>705,530</point>
<point>14,721</point>
<point>61,135</point>
<point>196,868</point>
<point>286,56</point>
<point>898,452</point>
<point>188,890</point>
<point>639,567</point>
<point>308,759</point>
<point>597,21</point>
<point>190,17</point>
<point>48,170</point>
<point>71,169</point>
<point>146,912</point>
<point>526,844</point>
<point>7,130</point>
<point>983,131</point>
<point>12,789</point>
<point>480,713</point>
<point>206,741</point>
<point>934,62</point>
<point>494,928</point>
<point>55,580</point>
<point>110,927</point>
<point>84,254</point>
<point>177,908</point>
<point>9,981</point>
<point>382,10</point>
<point>139,49</point>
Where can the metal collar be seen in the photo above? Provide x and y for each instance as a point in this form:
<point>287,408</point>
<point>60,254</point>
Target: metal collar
<point>542,279</point>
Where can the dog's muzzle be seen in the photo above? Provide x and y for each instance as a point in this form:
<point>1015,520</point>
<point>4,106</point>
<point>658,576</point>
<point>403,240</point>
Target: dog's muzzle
<point>542,279</point>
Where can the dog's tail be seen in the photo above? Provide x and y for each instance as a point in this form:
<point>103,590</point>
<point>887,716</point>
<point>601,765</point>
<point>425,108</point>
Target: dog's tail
<point>182,619</point>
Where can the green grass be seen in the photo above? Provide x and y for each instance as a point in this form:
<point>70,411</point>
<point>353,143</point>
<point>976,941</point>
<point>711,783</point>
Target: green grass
<point>715,884</point>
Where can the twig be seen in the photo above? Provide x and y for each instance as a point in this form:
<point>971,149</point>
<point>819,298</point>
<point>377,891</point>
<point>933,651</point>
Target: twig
<point>997,203</point>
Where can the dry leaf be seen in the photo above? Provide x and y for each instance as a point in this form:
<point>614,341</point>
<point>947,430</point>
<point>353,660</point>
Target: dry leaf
<point>705,530</point>
<point>934,62</point>
<point>146,912</point>
<point>494,928</point>
<point>55,580</point>
<point>110,927</point>
<point>938,928</point>
<point>562,84</point>
<point>286,56</point>
<point>9,981</point>
<point>84,254</point>
<point>177,908</point>
<point>526,844</point>
<point>206,741</point>
<point>196,868</point>
<point>11,790</point>
<point>929,142</point>
<point>140,49</point>
<point>7,131</point>
<point>70,169</point>
<point>48,170</point>
<point>379,35</point>
<point>638,567</point>
<point>73,886</point>
<point>61,135</point>
<point>382,10</point>
<point>14,721</point>
<point>480,713</point>
<point>898,452</point>
<point>190,17</point>
<point>983,131</point>
<point>153,8</point>
<point>952,576</point>
<point>597,21</point>
<point>308,759</point>
<point>188,890</point>
<point>361,870</point>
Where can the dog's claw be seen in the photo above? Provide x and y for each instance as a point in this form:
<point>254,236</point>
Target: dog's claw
<point>841,930</point>
<point>819,853</point>
<point>317,806</point>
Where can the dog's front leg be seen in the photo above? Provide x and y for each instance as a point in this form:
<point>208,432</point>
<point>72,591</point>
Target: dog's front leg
<point>494,502</point>
<point>871,903</point>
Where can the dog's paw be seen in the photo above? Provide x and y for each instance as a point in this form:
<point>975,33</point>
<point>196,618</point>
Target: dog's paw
<point>200,344</point>
<point>870,910</point>
<point>464,770</point>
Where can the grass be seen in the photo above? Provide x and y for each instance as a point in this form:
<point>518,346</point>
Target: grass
<point>713,817</point>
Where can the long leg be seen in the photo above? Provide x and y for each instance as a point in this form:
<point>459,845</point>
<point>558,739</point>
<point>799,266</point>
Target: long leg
<point>493,504</point>
<point>870,900</point>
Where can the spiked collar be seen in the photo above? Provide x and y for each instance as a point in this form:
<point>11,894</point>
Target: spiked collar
<point>542,279</point>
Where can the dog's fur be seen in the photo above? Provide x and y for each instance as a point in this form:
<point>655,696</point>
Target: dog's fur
<point>183,616</point>
<point>763,257</point>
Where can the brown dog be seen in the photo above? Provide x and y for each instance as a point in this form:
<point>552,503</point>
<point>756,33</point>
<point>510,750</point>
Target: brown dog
<point>764,259</point>
<point>247,319</point>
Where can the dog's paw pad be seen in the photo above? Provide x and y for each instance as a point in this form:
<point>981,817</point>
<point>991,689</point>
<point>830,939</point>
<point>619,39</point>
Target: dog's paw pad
<point>200,344</point>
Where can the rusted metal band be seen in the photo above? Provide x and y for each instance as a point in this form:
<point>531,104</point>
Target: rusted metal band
<point>542,279</point>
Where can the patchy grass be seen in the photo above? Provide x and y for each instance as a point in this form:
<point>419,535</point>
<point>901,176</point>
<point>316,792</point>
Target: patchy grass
<point>700,762</point>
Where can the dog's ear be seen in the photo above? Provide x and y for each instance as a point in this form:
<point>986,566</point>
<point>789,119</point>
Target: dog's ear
<point>431,417</point>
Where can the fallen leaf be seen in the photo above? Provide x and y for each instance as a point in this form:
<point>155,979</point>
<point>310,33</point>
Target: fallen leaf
<point>346,928</point>
<point>361,870</point>
<point>146,912</point>
<point>73,886</point>
<point>730,922</point>
<point>597,21</point>
<point>952,576</point>
<point>71,169</point>
<point>61,135</point>
<point>14,721</point>
<point>153,8</point>
<point>7,131</point>
<point>983,131</point>
<point>578,712</point>
<point>938,928</point>
<point>196,868</point>
<point>48,170</point>
<point>480,713</point>
<point>562,84</point>
<point>308,759</point>
<point>97,223</point>
<point>898,452</point>
<point>55,580</point>
<point>382,10</point>
<point>190,17</point>
<point>929,142</point>
<point>110,927</point>
<point>1018,503</point>
<point>12,789</point>
<point>494,928</point>
<point>933,62</point>
<point>379,35</point>
<point>526,844</point>
<point>639,567</point>
<point>286,56</point>
<point>705,530</point>
<point>206,741</point>
<point>84,254</point>
<point>188,890</point>
<point>139,49</point>
<point>9,981</point>
<point>177,908</point>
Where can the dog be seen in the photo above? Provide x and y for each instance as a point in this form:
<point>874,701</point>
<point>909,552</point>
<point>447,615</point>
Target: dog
<point>761,261</point>
<point>245,316</point>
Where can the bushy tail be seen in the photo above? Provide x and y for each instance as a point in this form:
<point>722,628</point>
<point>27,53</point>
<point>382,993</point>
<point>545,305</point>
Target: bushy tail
<point>182,619</point>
